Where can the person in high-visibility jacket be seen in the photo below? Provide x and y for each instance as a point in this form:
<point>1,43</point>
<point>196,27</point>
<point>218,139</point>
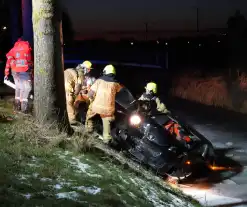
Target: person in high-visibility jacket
<point>150,95</point>
<point>74,79</point>
<point>102,95</point>
<point>20,61</point>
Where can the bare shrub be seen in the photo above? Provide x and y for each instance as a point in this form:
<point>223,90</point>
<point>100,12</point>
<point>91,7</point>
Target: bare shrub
<point>209,91</point>
<point>27,129</point>
<point>242,81</point>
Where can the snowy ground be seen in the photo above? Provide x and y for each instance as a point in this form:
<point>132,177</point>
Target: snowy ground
<point>228,132</point>
<point>76,188</point>
<point>31,175</point>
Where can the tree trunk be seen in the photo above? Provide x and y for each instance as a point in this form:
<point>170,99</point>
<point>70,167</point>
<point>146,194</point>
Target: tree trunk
<point>49,91</point>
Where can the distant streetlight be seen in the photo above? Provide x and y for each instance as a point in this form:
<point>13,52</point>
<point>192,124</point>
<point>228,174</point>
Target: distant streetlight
<point>188,42</point>
<point>200,45</point>
<point>158,42</point>
<point>4,28</point>
<point>166,43</point>
<point>132,43</point>
<point>218,41</point>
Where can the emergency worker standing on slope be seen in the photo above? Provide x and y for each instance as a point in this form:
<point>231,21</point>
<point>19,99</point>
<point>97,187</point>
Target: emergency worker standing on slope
<point>102,95</point>
<point>20,60</point>
<point>150,95</point>
<point>74,79</point>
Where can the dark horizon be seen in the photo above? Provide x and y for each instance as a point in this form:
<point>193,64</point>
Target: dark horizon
<point>97,17</point>
<point>152,35</point>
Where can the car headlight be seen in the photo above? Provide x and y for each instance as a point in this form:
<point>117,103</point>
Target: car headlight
<point>135,120</point>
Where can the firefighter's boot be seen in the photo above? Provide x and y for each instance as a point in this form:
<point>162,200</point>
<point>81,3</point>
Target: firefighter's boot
<point>17,105</point>
<point>24,107</point>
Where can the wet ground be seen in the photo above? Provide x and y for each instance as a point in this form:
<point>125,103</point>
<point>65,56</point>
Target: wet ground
<point>228,133</point>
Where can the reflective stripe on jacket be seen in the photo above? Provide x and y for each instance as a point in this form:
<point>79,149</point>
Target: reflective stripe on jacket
<point>161,107</point>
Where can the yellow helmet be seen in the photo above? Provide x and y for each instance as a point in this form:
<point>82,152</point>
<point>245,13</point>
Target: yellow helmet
<point>109,69</point>
<point>151,87</point>
<point>87,64</point>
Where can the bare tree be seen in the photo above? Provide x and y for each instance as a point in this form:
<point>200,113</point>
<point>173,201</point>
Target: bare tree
<point>49,92</point>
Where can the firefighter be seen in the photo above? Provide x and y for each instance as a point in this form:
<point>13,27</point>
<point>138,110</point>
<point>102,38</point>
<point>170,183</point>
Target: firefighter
<point>102,95</point>
<point>150,95</point>
<point>74,79</point>
<point>82,101</point>
<point>20,61</point>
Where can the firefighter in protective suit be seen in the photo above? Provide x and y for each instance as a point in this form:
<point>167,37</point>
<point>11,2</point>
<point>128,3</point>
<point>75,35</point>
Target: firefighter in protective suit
<point>82,101</point>
<point>74,79</point>
<point>102,95</point>
<point>150,95</point>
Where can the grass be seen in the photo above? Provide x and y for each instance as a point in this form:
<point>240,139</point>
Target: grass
<point>212,90</point>
<point>35,171</point>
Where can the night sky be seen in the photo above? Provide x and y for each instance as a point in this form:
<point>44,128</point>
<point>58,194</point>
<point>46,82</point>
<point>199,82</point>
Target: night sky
<point>112,15</point>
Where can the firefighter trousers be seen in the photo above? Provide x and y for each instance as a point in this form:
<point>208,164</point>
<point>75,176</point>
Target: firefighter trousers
<point>106,121</point>
<point>70,99</point>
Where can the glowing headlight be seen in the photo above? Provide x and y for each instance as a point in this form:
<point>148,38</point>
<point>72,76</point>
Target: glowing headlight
<point>135,120</point>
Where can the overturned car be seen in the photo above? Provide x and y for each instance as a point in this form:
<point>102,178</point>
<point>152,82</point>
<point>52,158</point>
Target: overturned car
<point>161,142</point>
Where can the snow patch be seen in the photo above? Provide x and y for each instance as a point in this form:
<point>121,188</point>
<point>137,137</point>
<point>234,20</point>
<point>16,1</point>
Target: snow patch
<point>133,181</point>
<point>81,166</point>
<point>26,176</point>
<point>35,162</point>
<point>46,179</point>
<point>124,180</point>
<point>33,165</point>
<point>27,196</point>
<point>75,162</point>
<point>23,177</point>
<point>132,195</point>
<point>178,201</point>
<point>61,184</point>
<point>105,169</point>
<point>68,195</point>
<point>58,187</point>
<point>152,196</point>
<point>91,190</point>
<point>34,159</point>
<point>35,175</point>
<point>66,183</point>
<point>67,153</point>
